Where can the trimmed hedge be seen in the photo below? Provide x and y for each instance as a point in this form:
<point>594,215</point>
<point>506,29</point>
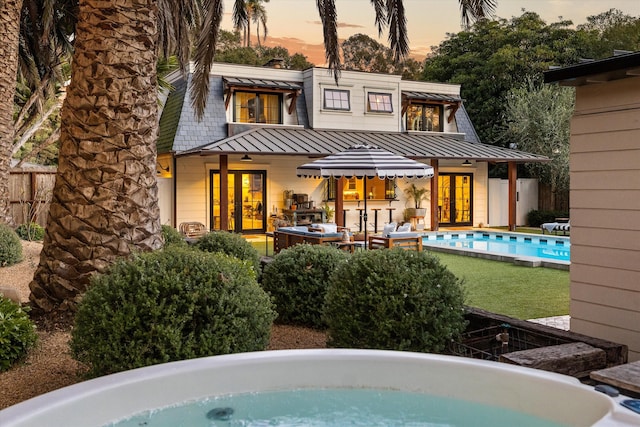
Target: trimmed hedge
<point>10,246</point>
<point>536,218</point>
<point>17,333</point>
<point>172,236</point>
<point>170,305</point>
<point>298,278</point>
<point>394,300</point>
<point>231,244</point>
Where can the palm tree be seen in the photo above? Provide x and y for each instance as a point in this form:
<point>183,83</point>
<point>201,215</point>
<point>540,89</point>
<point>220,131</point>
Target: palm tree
<point>104,203</point>
<point>258,14</point>
<point>9,33</point>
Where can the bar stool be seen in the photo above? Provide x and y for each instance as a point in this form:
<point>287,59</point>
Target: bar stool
<point>375,219</point>
<point>391,213</point>
<point>361,210</point>
<point>344,216</point>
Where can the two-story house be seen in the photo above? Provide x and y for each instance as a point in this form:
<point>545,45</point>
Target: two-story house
<point>235,169</point>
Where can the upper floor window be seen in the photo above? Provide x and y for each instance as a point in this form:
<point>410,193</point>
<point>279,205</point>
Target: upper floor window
<point>335,99</point>
<point>251,107</point>
<point>424,117</point>
<point>379,102</point>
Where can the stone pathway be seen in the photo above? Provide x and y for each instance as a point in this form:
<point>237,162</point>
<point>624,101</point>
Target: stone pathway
<point>560,322</point>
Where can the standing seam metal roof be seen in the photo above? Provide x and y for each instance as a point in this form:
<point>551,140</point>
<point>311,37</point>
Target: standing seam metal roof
<point>297,141</point>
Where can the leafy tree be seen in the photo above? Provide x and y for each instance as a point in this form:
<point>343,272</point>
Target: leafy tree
<point>363,53</point>
<point>615,30</point>
<point>537,119</point>
<point>492,57</point>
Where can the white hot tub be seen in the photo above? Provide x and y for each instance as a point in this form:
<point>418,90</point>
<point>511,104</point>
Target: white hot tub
<point>97,402</point>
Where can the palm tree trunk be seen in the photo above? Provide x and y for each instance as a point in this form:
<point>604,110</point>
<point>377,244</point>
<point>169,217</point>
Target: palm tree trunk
<point>9,34</point>
<point>104,203</point>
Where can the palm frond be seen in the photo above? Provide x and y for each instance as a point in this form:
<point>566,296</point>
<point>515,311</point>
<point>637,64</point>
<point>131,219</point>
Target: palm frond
<point>329,19</point>
<point>204,54</point>
<point>240,18</point>
<point>472,10</point>
<point>381,15</point>
<point>398,38</point>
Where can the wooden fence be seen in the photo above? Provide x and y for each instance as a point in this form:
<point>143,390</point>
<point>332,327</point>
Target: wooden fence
<point>30,194</point>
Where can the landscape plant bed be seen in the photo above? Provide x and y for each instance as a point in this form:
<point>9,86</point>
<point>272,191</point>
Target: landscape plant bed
<point>480,339</point>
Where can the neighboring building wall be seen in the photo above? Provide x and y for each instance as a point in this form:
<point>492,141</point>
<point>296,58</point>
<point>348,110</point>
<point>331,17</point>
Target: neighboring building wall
<point>605,212</point>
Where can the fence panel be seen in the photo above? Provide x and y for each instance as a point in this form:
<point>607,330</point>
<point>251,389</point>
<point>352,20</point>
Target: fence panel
<point>30,195</point>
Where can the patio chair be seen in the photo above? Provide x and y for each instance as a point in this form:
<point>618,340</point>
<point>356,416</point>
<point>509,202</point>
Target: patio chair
<point>192,229</point>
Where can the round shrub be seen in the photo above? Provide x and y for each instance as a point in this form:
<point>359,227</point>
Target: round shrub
<point>172,236</point>
<point>31,232</point>
<point>10,246</point>
<point>297,280</point>
<point>17,333</point>
<point>231,244</point>
<point>170,305</point>
<point>394,300</point>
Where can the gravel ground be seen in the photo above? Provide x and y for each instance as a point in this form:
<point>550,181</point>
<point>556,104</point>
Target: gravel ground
<point>49,365</point>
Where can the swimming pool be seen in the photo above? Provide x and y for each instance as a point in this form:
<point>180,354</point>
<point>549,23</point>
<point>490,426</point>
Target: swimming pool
<point>526,249</point>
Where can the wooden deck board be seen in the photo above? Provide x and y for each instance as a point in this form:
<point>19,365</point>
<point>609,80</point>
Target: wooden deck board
<point>625,376</point>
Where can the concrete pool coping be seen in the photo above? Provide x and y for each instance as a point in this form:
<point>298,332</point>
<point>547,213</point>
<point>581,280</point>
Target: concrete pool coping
<point>525,261</point>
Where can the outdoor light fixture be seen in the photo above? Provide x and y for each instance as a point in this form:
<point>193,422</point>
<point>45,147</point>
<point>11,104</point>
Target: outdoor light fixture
<point>162,168</point>
<point>466,163</point>
<point>246,158</point>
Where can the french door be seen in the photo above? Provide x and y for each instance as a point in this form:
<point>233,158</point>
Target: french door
<point>455,199</point>
<point>247,199</point>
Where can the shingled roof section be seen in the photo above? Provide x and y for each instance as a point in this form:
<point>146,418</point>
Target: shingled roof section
<point>416,145</point>
<point>213,125</point>
<point>170,116</point>
<point>466,126</point>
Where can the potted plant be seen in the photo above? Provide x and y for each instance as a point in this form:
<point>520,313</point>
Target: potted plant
<point>328,212</point>
<point>417,195</point>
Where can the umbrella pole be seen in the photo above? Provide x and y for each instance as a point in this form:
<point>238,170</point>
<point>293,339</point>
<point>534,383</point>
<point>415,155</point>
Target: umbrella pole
<point>365,211</point>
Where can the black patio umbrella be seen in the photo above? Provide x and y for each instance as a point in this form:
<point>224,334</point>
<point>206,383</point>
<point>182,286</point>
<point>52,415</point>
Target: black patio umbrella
<point>365,161</point>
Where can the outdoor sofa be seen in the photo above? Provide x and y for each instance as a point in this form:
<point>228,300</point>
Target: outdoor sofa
<point>315,234</point>
<point>400,237</point>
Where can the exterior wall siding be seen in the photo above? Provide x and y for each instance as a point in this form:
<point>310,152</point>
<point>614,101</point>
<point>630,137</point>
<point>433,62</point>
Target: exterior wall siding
<point>605,212</point>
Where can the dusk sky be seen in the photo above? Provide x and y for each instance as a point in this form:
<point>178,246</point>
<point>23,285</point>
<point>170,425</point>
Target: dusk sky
<point>295,23</point>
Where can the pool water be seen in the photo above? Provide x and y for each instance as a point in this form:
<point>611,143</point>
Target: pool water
<point>546,247</point>
<point>333,407</point>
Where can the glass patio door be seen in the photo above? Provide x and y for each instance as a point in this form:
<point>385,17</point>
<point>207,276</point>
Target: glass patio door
<point>455,199</point>
<point>247,198</point>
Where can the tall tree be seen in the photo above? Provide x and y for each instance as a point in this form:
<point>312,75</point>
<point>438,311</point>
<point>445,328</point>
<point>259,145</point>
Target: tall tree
<point>537,119</point>
<point>104,202</point>
<point>492,57</point>
<point>361,52</point>
<point>9,33</point>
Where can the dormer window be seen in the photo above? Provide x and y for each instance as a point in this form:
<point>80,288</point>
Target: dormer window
<point>251,107</point>
<point>335,99</point>
<point>379,102</point>
<point>425,117</point>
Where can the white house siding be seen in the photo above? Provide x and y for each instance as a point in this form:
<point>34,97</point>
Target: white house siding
<point>605,212</point>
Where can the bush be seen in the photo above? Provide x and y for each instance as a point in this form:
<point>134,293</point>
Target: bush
<point>536,218</point>
<point>297,279</point>
<point>394,300</point>
<point>31,232</point>
<point>231,244</point>
<point>172,236</point>
<point>170,305</point>
<point>10,246</point>
<point>17,333</point>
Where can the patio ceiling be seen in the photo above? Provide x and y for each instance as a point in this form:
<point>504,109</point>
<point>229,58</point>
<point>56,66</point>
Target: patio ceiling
<point>317,143</point>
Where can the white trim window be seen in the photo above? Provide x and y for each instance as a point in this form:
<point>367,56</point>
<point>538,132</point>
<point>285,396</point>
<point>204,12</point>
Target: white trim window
<point>379,102</point>
<point>335,99</point>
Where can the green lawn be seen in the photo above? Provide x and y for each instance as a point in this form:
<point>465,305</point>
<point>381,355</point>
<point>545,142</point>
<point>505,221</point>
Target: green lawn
<point>516,291</point>
<point>504,288</point>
